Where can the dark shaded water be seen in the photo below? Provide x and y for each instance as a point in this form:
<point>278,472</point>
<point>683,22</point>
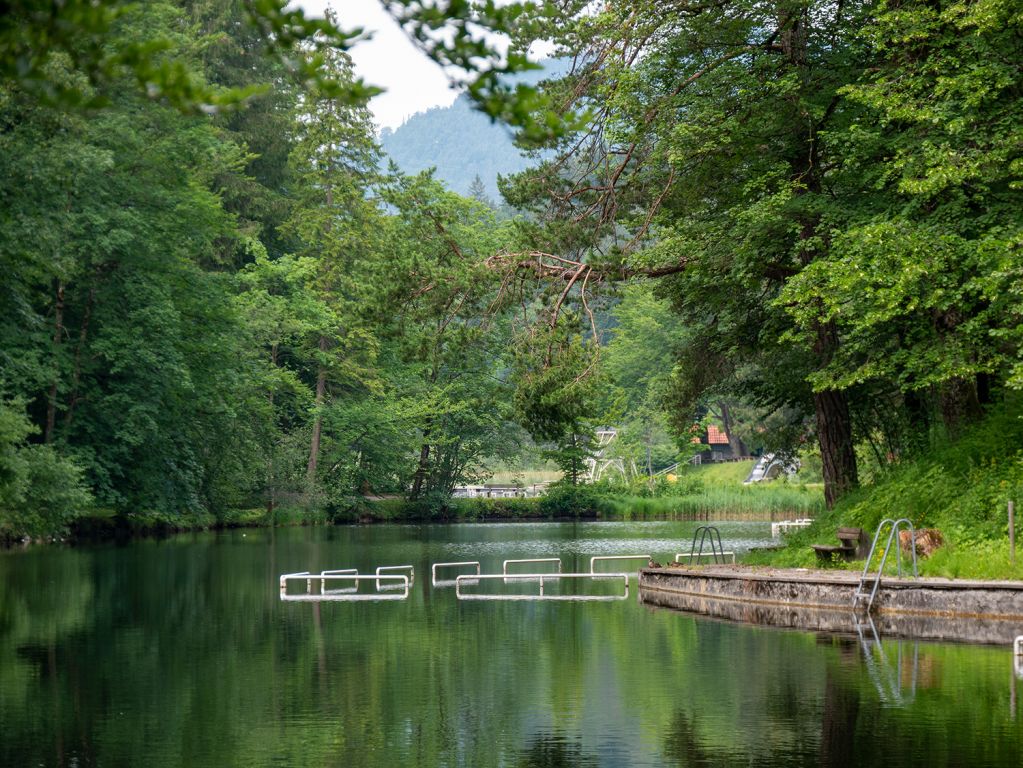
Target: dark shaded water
<point>180,653</point>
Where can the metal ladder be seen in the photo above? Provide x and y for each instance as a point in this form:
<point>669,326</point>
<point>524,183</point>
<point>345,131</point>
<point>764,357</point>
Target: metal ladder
<point>861,589</point>
<point>705,531</point>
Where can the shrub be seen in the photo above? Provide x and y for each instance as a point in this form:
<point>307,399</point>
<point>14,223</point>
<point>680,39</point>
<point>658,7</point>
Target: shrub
<point>41,492</point>
<point>565,500</point>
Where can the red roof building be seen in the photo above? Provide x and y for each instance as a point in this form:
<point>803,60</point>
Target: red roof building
<point>716,436</point>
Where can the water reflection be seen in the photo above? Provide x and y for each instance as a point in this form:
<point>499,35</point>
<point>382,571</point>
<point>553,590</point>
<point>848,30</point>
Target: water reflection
<point>553,750</point>
<point>180,653</point>
<point>889,681</point>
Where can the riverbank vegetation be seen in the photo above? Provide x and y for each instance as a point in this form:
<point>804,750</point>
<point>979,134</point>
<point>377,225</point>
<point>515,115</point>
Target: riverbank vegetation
<point>961,488</point>
<point>777,221</point>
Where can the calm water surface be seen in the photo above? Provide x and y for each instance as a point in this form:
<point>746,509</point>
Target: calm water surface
<point>180,653</point>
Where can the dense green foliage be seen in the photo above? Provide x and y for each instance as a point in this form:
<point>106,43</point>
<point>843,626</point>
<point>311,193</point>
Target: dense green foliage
<point>828,195</point>
<point>796,220</point>
<point>962,489</point>
<point>198,313</point>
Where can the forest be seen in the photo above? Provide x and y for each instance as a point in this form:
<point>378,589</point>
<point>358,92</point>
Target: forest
<point>801,217</point>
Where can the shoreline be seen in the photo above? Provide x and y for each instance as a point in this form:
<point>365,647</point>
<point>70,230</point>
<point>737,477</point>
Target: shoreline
<point>964,610</point>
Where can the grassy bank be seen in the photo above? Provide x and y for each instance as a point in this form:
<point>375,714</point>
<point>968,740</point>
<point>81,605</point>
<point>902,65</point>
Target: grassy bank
<point>961,488</point>
<point>768,502</point>
<point>709,492</point>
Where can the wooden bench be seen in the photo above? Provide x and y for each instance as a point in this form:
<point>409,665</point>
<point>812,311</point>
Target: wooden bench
<point>852,545</point>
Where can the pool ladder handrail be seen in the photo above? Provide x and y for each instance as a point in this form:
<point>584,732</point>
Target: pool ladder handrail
<point>705,531</point>
<point>892,534</point>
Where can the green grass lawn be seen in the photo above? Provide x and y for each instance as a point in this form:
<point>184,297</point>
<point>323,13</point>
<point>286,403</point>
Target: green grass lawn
<point>525,477</point>
<point>728,473</point>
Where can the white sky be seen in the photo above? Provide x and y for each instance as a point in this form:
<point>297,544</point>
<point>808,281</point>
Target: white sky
<point>389,60</point>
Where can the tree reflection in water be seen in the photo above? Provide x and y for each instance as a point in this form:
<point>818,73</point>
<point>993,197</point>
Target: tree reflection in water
<point>555,750</point>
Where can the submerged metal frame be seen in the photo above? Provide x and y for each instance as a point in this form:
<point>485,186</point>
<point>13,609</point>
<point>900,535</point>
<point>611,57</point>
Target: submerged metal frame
<point>411,574</point>
<point>343,590</point>
<point>691,555</point>
<point>433,571</point>
<point>541,578</point>
<point>504,565</point>
<point>340,595</point>
<point>595,558</point>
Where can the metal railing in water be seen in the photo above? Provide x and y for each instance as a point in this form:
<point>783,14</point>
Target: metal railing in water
<point>339,572</point>
<point>341,595</point>
<point>465,563</point>
<point>504,566</point>
<point>543,579</point>
<point>395,568</point>
<point>600,558</point>
<point>690,556</point>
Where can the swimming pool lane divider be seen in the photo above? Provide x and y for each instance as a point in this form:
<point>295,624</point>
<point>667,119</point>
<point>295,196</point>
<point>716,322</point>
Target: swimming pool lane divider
<point>542,579</point>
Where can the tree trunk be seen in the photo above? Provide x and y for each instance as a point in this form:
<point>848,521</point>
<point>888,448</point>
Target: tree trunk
<point>58,336</point>
<point>420,476</point>
<point>321,374</point>
<point>76,380</point>
<point>271,480</point>
<point>834,427</point>
<point>424,462</point>
<point>960,404</point>
<point>321,390</point>
<point>984,396</point>
<point>649,457</point>
<point>834,434</point>
<point>734,442</point>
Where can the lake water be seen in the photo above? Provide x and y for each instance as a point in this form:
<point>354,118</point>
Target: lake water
<point>180,653</point>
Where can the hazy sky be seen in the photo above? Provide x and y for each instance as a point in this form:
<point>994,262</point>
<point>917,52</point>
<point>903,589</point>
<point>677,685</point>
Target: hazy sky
<point>389,60</point>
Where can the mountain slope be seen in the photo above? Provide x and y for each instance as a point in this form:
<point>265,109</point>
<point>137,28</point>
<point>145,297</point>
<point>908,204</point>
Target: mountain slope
<point>461,142</point>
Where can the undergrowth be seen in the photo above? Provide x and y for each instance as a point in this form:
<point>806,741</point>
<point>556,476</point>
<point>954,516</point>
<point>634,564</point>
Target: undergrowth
<point>962,488</point>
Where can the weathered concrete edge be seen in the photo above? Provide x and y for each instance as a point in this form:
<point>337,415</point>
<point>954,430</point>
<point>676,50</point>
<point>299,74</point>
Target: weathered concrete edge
<point>806,576</point>
<point>912,609</point>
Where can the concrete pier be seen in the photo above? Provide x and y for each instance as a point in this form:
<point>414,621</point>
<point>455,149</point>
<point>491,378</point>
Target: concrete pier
<point>939,609</point>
